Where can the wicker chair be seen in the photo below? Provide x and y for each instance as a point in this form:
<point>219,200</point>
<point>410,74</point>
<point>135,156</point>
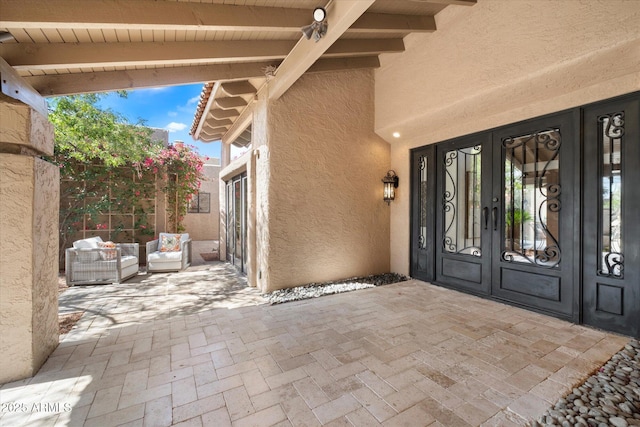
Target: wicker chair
<point>88,263</point>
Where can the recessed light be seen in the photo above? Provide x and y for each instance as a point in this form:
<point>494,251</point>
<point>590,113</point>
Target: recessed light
<point>396,134</point>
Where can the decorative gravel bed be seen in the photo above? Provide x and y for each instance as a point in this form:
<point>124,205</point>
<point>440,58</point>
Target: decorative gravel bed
<point>610,397</point>
<point>313,290</point>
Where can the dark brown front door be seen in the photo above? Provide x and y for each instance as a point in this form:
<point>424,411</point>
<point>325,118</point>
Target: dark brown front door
<point>533,256</point>
<point>543,214</point>
<point>463,213</point>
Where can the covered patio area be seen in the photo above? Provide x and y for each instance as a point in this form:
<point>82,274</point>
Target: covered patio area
<point>201,349</point>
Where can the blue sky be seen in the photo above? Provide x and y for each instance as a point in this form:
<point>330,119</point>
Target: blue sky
<point>171,108</point>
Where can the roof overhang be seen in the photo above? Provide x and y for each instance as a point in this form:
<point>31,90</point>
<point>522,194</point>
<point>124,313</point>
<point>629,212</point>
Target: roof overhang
<point>59,48</point>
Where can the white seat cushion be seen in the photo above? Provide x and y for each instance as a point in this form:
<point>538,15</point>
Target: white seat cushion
<point>125,261</point>
<point>164,256</point>
<point>128,260</point>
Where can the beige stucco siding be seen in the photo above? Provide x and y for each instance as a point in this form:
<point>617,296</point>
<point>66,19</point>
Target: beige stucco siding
<point>325,216</point>
<point>205,226</point>
<point>496,63</point>
<point>28,264</point>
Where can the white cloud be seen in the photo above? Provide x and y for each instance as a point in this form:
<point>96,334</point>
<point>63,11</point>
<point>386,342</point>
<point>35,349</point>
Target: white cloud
<point>174,127</point>
<point>193,100</point>
<point>172,114</point>
<point>153,89</point>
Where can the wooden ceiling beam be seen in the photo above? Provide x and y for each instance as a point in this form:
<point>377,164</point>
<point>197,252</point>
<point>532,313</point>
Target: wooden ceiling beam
<point>220,114</point>
<point>68,84</point>
<point>167,15</point>
<point>349,63</point>
<point>341,15</point>
<point>216,130</point>
<point>149,15</point>
<point>51,56</point>
<point>363,47</point>
<point>238,88</point>
<point>214,123</point>
<point>229,102</point>
<point>204,137</point>
<point>456,2</point>
<point>386,22</point>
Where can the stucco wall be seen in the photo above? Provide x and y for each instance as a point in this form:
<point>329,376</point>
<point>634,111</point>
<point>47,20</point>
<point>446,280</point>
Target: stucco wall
<point>28,264</point>
<point>45,260</point>
<point>22,128</point>
<point>326,217</point>
<point>206,226</point>
<point>495,63</point>
<point>29,204</point>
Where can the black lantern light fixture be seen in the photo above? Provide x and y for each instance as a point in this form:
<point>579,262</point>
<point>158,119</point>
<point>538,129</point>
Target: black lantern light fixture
<point>318,28</point>
<point>390,182</point>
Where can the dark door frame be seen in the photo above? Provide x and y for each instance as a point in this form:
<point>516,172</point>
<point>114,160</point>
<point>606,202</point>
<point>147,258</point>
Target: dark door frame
<point>422,244</point>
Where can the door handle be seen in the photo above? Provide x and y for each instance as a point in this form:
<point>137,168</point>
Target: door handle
<point>485,215</point>
<point>494,218</point>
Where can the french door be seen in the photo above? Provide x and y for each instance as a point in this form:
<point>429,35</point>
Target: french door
<point>543,214</point>
<point>503,214</point>
<point>463,211</point>
<point>536,239</point>
<point>236,224</point>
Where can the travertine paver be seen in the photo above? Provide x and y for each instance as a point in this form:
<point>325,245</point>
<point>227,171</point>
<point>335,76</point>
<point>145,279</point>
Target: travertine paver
<point>199,348</point>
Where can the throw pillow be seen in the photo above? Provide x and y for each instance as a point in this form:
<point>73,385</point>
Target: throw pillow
<point>170,242</point>
<point>107,255</point>
<point>85,254</point>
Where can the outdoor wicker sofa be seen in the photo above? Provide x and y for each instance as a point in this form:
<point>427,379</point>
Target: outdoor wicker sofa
<point>92,261</point>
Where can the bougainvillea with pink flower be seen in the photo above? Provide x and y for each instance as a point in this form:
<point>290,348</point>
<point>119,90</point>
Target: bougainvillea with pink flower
<point>108,165</point>
<point>180,168</point>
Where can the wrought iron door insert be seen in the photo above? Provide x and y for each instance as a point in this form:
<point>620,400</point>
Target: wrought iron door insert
<point>532,198</point>
<point>461,201</point>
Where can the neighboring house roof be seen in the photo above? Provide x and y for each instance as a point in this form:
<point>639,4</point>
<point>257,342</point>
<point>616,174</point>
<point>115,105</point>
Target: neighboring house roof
<point>60,48</point>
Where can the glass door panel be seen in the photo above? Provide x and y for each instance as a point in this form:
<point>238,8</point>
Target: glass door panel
<point>237,220</point>
<point>463,206</point>
<point>229,221</point>
<point>534,245</point>
<point>610,197</point>
<point>461,203</point>
<point>532,198</point>
<point>611,269</point>
<point>423,186</point>
<point>236,230</point>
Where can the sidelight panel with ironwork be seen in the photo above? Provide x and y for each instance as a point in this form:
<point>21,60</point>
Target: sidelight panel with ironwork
<point>610,135</point>
<point>461,201</point>
<point>532,198</point>
<point>422,201</point>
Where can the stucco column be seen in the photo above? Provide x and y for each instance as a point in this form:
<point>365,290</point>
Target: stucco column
<point>225,151</point>
<point>29,206</point>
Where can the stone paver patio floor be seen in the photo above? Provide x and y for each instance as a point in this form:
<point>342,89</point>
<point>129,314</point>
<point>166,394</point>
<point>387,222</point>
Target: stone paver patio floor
<point>199,348</point>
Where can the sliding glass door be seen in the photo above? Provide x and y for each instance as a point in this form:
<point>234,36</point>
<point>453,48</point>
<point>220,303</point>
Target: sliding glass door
<point>236,224</point>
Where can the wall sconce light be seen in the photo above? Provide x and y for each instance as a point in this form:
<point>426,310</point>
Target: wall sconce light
<point>318,28</point>
<point>390,184</point>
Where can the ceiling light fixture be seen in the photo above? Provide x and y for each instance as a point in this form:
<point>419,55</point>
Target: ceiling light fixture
<point>318,28</point>
<point>319,14</point>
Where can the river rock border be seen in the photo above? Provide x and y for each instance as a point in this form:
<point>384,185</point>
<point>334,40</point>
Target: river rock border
<point>610,397</point>
<point>313,290</point>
